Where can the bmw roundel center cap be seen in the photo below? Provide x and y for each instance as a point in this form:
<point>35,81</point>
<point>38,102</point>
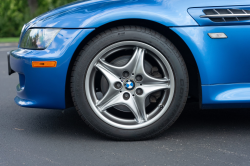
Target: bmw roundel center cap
<point>129,84</point>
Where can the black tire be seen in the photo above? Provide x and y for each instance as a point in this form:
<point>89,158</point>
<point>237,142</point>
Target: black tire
<point>125,33</point>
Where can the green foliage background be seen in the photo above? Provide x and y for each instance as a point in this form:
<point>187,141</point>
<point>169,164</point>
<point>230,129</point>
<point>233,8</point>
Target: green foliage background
<point>15,13</point>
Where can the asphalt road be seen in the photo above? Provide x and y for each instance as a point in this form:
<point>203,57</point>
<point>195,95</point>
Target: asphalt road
<point>59,137</point>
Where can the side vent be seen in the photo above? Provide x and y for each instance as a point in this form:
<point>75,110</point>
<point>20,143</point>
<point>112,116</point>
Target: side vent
<point>226,15</point>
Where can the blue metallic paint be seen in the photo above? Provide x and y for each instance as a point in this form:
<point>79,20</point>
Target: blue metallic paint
<point>92,14</point>
<point>220,61</point>
<point>45,87</point>
<point>226,96</point>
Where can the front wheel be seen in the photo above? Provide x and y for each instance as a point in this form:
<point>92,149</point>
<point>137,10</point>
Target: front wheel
<point>129,83</point>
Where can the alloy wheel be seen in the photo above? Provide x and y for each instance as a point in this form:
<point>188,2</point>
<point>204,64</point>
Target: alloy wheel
<point>123,90</point>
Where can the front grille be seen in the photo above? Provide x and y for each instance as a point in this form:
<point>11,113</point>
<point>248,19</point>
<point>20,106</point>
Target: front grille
<point>226,15</point>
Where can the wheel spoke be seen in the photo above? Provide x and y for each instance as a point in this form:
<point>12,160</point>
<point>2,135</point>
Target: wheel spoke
<point>110,76</point>
<point>148,89</point>
<point>138,58</point>
<point>140,101</point>
<point>148,80</point>
<point>113,69</point>
<point>138,69</point>
<point>110,101</point>
<point>118,70</point>
<point>119,100</point>
<point>134,107</point>
<point>112,79</point>
<point>138,54</point>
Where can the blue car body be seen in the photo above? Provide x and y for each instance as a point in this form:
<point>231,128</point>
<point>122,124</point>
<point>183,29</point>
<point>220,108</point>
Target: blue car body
<point>223,64</point>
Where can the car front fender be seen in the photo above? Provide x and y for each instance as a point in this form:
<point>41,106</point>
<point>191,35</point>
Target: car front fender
<point>92,14</point>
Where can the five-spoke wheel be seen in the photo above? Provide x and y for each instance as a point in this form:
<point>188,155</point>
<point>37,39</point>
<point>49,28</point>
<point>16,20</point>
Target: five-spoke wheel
<point>129,89</point>
<point>130,84</point>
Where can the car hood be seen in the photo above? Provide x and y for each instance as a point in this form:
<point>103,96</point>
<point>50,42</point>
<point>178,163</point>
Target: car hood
<point>63,9</point>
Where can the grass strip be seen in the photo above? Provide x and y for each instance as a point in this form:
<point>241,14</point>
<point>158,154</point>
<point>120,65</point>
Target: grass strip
<point>9,40</point>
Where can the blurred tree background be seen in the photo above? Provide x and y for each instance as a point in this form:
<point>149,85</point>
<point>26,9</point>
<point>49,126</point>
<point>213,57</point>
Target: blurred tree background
<point>15,13</point>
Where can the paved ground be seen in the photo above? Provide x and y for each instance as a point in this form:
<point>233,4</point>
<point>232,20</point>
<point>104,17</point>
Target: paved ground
<point>56,137</point>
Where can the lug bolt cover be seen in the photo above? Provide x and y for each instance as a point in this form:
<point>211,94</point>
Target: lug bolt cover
<point>139,91</point>
<point>138,78</point>
<point>126,96</point>
<point>118,85</point>
<point>125,74</point>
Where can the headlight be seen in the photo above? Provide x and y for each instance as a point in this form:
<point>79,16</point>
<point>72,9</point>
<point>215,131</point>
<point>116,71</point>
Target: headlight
<point>38,38</point>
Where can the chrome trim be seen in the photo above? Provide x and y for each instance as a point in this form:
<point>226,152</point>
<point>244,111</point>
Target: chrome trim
<point>219,14</point>
<point>244,11</point>
<point>232,13</point>
<point>216,11</point>
<point>225,15</point>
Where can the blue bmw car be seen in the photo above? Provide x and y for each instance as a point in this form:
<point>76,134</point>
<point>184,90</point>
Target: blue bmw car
<point>129,66</point>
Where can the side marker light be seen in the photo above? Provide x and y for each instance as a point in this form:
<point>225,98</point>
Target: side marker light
<point>44,63</point>
<point>217,35</point>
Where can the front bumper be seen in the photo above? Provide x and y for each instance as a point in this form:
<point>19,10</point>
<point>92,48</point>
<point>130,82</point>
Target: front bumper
<point>10,71</point>
<point>45,87</point>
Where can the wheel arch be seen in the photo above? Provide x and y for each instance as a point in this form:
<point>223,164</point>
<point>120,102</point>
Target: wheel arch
<point>194,75</point>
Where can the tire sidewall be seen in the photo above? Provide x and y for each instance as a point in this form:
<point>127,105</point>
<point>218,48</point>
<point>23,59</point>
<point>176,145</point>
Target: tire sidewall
<point>155,40</point>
